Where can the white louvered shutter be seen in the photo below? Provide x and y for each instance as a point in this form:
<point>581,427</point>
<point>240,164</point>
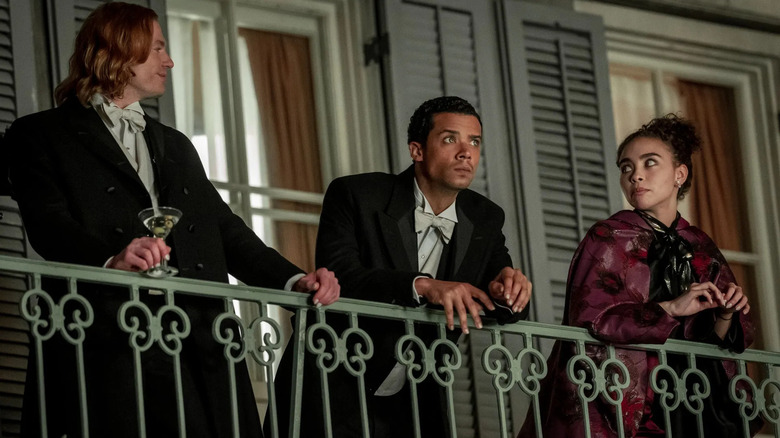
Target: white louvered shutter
<point>558,69</point>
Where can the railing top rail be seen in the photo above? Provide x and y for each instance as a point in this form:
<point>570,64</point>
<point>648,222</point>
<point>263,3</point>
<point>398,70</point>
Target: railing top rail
<point>345,305</point>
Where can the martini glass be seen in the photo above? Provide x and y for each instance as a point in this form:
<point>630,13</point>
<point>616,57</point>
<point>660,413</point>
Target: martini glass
<point>160,221</point>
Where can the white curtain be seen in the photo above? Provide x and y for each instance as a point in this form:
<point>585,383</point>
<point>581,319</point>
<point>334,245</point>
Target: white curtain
<point>197,91</point>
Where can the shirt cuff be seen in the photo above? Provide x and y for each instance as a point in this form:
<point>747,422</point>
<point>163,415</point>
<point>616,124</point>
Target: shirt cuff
<point>108,261</point>
<point>419,299</point>
<point>294,279</point>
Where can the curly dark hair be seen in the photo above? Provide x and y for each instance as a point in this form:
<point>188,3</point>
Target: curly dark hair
<point>677,133</point>
<point>421,122</point>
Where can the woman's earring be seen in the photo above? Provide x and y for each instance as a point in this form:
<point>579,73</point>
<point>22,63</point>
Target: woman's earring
<point>677,183</point>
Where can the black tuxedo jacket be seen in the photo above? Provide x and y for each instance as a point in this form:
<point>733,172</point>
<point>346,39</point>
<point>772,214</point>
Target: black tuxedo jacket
<point>366,236</point>
<point>79,198</point>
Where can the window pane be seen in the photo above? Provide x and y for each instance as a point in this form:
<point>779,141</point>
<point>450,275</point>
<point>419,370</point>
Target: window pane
<point>196,91</point>
<point>279,117</point>
<point>259,201</point>
<point>294,239</point>
<point>253,130</point>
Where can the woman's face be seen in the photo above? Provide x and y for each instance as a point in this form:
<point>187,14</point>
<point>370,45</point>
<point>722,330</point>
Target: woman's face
<point>650,178</point>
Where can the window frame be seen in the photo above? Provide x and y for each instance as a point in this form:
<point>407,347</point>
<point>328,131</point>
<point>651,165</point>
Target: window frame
<point>336,55</point>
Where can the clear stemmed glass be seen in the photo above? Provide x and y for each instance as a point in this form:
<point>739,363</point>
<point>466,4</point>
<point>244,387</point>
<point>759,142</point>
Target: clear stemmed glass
<point>160,221</point>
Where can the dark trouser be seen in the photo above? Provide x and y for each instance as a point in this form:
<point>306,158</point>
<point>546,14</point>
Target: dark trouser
<point>389,416</point>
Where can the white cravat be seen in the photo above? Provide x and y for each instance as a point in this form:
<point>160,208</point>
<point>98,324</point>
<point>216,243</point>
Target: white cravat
<point>131,123</point>
<point>433,232</point>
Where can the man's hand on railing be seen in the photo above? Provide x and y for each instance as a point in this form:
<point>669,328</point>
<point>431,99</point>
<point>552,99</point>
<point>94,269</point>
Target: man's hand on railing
<point>454,296</point>
<point>512,287</point>
<point>140,254</point>
<point>323,284</point>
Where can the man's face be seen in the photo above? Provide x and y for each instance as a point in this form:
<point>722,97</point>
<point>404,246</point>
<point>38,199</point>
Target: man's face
<point>149,77</point>
<point>448,161</point>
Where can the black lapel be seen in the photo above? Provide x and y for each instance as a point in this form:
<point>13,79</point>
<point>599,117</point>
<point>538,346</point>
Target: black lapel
<point>93,134</point>
<point>446,263</point>
<point>463,234</point>
<point>396,223</point>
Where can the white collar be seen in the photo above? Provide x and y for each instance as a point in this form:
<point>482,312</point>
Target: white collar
<point>421,201</point>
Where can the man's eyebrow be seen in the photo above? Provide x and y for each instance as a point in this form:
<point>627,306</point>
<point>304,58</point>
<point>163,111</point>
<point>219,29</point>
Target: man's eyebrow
<point>453,131</point>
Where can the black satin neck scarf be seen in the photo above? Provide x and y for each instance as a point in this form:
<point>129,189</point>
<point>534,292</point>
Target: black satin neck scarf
<point>669,257</point>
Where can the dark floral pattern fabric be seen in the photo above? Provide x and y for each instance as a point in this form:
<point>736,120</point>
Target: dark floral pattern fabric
<point>607,293</point>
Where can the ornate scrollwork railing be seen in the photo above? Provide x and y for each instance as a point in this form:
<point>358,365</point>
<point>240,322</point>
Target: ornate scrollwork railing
<point>505,370</point>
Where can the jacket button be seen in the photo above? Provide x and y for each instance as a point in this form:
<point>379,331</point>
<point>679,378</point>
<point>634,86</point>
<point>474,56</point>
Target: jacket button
<point>191,228</point>
<point>199,266</point>
<point>186,191</point>
<point>111,189</point>
<point>119,230</point>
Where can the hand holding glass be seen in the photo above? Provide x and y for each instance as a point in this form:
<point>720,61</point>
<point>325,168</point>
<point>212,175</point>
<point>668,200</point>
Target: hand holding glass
<point>160,221</point>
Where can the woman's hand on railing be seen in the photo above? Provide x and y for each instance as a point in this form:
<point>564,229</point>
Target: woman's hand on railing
<point>322,283</point>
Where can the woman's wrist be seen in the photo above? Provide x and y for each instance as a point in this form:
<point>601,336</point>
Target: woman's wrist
<point>721,316</point>
<point>667,306</point>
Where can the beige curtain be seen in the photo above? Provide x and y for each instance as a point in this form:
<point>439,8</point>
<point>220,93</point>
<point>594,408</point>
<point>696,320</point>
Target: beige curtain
<point>717,203</point>
<point>282,73</point>
<point>717,191</point>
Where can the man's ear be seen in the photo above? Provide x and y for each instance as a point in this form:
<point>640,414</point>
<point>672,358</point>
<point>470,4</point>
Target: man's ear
<point>416,151</point>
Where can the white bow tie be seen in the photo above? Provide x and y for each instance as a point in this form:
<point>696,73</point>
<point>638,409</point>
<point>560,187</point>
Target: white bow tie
<point>135,120</point>
<point>423,220</point>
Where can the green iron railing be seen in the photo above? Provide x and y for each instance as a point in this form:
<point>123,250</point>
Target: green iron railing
<point>509,368</point>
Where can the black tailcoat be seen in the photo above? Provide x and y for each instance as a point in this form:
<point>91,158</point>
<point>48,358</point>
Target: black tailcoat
<point>79,198</point>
